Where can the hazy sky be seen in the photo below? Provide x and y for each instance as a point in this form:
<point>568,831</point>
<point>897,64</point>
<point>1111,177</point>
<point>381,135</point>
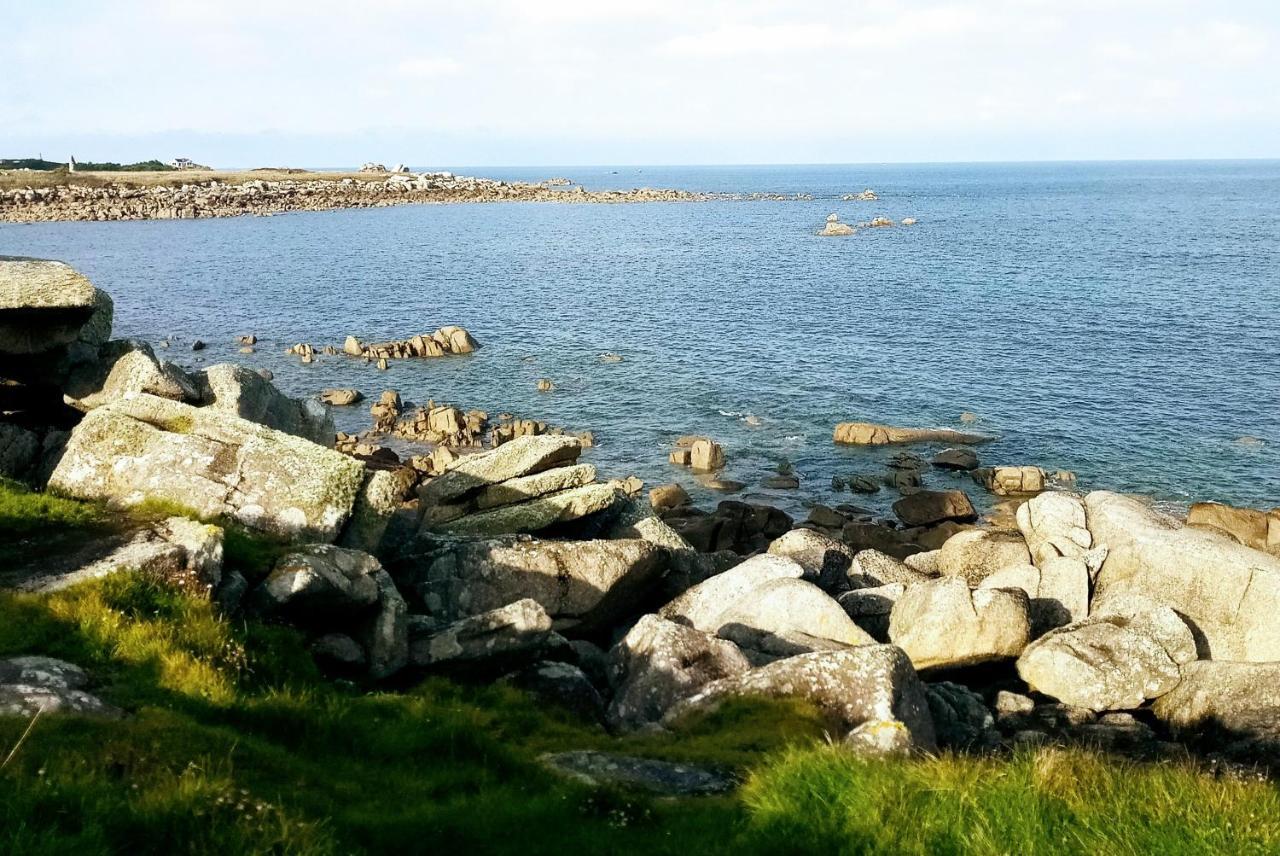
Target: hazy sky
<point>533,82</point>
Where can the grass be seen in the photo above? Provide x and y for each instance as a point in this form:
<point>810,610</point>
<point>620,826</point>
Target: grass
<point>235,744</point>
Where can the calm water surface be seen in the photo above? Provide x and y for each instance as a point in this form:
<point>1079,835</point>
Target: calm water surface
<point>1121,320</point>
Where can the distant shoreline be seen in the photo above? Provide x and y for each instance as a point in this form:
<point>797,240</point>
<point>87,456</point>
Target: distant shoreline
<point>35,196</point>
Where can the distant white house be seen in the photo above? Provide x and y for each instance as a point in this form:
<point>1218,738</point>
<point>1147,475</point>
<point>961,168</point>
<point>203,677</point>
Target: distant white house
<point>182,163</point>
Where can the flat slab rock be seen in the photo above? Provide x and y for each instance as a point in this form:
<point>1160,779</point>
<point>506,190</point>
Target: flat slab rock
<point>657,777</point>
<point>31,685</point>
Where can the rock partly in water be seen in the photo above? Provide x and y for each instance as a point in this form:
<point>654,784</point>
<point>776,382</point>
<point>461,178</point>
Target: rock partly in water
<point>246,394</point>
<point>1010,481</point>
<point>871,434</point>
<point>929,507</point>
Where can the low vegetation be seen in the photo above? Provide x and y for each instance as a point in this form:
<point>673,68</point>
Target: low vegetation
<point>85,176</point>
<point>235,744</point>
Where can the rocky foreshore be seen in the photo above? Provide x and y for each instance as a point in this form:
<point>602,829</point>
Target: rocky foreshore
<point>1064,618</point>
<point>215,198</point>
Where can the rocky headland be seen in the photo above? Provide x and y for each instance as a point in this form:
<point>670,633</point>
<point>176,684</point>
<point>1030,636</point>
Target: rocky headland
<point>501,554</point>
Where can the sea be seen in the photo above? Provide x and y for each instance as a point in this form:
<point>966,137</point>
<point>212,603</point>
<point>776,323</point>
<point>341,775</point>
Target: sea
<point>1119,320</point>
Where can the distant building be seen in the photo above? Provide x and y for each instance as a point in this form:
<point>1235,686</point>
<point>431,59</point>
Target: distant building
<point>182,163</point>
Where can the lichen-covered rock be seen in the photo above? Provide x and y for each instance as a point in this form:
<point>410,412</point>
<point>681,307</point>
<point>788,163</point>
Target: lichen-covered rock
<point>1229,592</point>
<point>1054,524</point>
<point>43,305</point>
<point>42,685</point>
<point>19,451</point>
<point>825,560</point>
<point>386,633</point>
<point>142,447</point>
<point>872,568</point>
<point>519,457</point>
<point>584,585</point>
<point>975,554</point>
<point>943,624</point>
<point>535,515</point>
<point>250,396</point>
<point>1114,660</point>
<point>379,499</point>
<point>794,615</point>
<point>872,683</point>
<point>499,639</point>
<point>526,488</point>
<point>870,608</point>
<point>701,606</point>
<point>318,582</point>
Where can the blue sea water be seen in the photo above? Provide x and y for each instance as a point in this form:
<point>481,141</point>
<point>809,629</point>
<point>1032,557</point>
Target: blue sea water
<point>1121,320</point>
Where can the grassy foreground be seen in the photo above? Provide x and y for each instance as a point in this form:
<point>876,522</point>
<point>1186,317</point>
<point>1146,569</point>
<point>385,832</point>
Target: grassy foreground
<point>234,744</point>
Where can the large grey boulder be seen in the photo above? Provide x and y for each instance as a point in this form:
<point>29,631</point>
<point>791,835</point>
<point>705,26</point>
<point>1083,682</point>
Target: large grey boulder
<point>1226,699</point>
<point>942,623</point>
<point>853,687</point>
<point>870,608</point>
<point>124,366</point>
<point>1058,589</point>
<point>379,499</point>
<point>218,465</point>
<point>927,507</point>
<point>385,634</point>
<point>19,451</point>
<point>526,488</point>
<point>34,685</point>
<point>500,639</point>
<point>1054,524</point>
<point>975,554</point>
<point>583,585</point>
<point>1113,660</point>
<point>520,457</point>
<point>250,396</point>
<point>659,663</point>
<point>44,305</point>
<point>1228,593</point>
<point>960,717</point>
<point>872,568</point>
<point>701,606</point>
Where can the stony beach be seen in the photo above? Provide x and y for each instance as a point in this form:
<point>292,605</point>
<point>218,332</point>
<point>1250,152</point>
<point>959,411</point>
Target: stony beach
<point>499,553</point>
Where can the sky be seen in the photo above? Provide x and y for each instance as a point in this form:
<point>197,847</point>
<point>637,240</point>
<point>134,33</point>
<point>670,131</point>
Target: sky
<point>245,83</point>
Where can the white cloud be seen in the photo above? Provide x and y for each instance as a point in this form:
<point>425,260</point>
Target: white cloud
<point>428,67</point>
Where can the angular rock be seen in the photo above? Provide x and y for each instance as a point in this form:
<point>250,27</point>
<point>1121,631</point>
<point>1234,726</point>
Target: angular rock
<point>519,457</point>
<point>659,663</point>
<point>1054,524</point>
<point>122,367</point>
<point>825,560</point>
<point>664,497</point>
<point>584,585</point>
<point>871,434</point>
<point>960,717</point>
<point>871,568</point>
<point>1229,593</point>
<point>386,634</point>
<point>975,554</point>
<point>1251,527</point>
<point>934,506</point>
<point>248,395</point>
<point>870,608</point>
<point>706,455</point>
<point>1010,481</point>
<point>943,624</point>
<point>1058,589</point>
<point>956,459</point>
<point>142,447</point>
<point>1113,660</point>
<point>872,683</point>
<point>379,499</point>
<point>526,488</point>
<point>318,582</point>
<point>534,515</point>
<point>498,639</point>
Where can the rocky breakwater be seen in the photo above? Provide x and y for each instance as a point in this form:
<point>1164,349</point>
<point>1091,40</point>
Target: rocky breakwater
<point>120,200</point>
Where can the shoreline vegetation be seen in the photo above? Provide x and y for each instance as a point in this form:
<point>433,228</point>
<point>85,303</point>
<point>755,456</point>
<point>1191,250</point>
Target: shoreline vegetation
<point>226,628</point>
<point>59,195</point>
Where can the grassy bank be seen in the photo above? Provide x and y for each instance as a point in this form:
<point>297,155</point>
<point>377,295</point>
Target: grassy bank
<point>14,179</point>
<point>234,744</point>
